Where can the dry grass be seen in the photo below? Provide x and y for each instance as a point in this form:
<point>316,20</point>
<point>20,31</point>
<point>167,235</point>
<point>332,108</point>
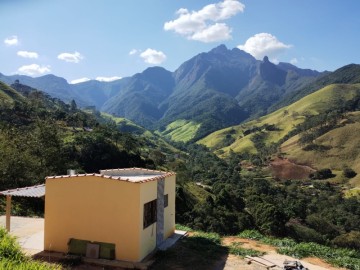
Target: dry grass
<point>284,119</point>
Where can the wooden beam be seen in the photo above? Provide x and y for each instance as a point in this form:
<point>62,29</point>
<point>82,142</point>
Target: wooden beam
<point>8,212</point>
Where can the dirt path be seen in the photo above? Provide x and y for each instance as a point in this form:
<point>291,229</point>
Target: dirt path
<point>233,262</point>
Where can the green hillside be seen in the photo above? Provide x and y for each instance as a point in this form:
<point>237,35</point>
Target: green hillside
<point>275,126</point>
<point>349,74</point>
<point>180,130</point>
<point>8,95</point>
<point>152,144</point>
<point>124,124</point>
<point>341,149</point>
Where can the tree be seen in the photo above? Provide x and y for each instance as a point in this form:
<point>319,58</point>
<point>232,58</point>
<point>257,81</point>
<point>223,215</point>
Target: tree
<point>349,173</point>
<point>73,106</point>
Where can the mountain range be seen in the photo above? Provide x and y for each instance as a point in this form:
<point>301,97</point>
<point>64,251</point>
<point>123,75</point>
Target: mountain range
<point>215,89</point>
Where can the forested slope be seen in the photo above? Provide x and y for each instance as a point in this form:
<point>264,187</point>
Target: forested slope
<point>42,136</point>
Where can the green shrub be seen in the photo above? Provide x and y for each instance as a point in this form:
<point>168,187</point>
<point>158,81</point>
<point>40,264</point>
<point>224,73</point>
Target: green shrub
<point>9,248</point>
<point>11,256</point>
<point>348,240</point>
<point>236,249</point>
<point>322,174</point>
<point>303,233</point>
<point>183,228</point>
<point>340,257</point>
<point>279,242</point>
<point>349,173</point>
<point>251,234</point>
<point>213,237</point>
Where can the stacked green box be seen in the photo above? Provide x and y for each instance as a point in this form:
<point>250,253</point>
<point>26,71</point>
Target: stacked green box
<point>78,247</point>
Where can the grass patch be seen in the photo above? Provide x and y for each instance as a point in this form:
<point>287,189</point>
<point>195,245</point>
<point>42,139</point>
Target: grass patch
<point>236,249</point>
<point>251,234</point>
<point>355,192</point>
<point>284,119</point>
<point>339,257</point>
<point>183,228</point>
<point>11,256</point>
<point>198,192</point>
<point>181,130</point>
<point>199,251</point>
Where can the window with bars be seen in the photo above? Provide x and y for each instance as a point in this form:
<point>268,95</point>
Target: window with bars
<point>149,213</point>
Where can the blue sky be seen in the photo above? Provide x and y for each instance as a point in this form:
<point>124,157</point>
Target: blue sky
<point>109,39</point>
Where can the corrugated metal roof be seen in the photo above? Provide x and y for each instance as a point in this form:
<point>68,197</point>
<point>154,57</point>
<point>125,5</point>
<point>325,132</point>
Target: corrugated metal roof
<point>34,191</point>
<point>133,175</point>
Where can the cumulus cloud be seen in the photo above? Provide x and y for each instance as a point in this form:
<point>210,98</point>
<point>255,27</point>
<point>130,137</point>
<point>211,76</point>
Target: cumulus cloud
<point>151,56</point>
<point>202,25</point>
<point>213,33</point>
<point>108,79</point>
<point>34,69</point>
<point>11,41</point>
<point>79,80</point>
<point>71,57</point>
<point>27,54</point>
<point>264,44</point>
<point>133,51</point>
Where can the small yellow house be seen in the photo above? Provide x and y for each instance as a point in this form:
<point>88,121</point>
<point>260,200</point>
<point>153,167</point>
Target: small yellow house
<point>121,214</point>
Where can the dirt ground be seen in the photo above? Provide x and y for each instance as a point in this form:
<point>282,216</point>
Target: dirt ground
<point>285,169</point>
<point>233,262</point>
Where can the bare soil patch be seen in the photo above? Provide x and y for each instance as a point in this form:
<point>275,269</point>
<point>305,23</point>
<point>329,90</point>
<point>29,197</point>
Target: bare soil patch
<point>271,255</point>
<point>248,244</point>
<point>285,169</point>
<point>321,263</point>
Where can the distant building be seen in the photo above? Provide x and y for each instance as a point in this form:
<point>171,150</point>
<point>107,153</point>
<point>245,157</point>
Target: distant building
<point>121,214</point>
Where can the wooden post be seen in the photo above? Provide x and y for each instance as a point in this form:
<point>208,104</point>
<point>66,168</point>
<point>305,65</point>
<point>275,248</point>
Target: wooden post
<point>8,212</point>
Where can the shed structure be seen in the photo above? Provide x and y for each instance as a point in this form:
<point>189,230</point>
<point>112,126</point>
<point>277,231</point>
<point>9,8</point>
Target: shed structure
<point>33,192</point>
<point>121,214</point>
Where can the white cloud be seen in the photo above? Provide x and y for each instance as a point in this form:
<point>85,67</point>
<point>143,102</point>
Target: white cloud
<point>108,79</point>
<point>202,25</point>
<point>133,51</point>
<point>11,41</point>
<point>215,32</point>
<point>151,56</point>
<point>264,44</point>
<point>34,69</point>
<point>27,54</point>
<point>294,61</point>
<point>71,57</point>
<point>79,80</point>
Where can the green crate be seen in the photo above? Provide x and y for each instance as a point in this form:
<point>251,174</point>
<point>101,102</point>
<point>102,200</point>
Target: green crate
<point>78,247</point>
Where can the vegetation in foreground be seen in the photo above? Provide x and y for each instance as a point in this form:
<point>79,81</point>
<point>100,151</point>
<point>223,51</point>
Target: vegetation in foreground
<point>202,250</point>
<point>339,257</point>
<point>199,251</point>
<point>11,256</point>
